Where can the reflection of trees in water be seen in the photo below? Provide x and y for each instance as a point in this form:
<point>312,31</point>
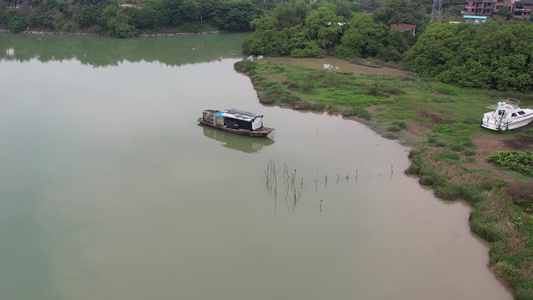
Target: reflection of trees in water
<point>103,52</point>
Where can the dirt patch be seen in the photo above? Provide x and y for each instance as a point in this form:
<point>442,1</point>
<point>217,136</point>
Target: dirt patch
<point>417,129</point>
<point>491,144</point>
<point>486,146</point>
<point>437,119</point>
<point>520,144</point>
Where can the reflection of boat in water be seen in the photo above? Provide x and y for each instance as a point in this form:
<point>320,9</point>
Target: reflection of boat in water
<point>237,142</point>
<point>507,115</point>
<point>235,121</point>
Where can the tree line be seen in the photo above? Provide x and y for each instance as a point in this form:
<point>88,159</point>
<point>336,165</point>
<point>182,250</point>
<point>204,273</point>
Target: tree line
<point>494,55</point>
<point>107,17</point>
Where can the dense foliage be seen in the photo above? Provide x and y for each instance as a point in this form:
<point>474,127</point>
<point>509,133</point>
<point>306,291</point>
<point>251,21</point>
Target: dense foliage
<point>294,30</point>
<point>107,17</point>
<point>521,161</point>
<point>495,55</point>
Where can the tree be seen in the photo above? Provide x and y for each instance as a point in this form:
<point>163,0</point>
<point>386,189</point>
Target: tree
<point>86,15</point>
<point>170,11</point>
<point>492,55</point>
<point>17,24</point>
<point>144,17</point>
<point>347,9</point>
<point>505,12</point>
<point>290,14</point>
<point>363,38</point>
<point>236,15</point>
<point>429,55</point>
<point>324,26</point>
<point>401,11</point>
<point>208,8</point>
<point>119,25</point>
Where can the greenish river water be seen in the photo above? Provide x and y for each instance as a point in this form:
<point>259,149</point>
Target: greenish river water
<point>109,189</point>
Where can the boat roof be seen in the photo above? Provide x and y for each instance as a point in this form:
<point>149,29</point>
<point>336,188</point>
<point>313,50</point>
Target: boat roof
<point>238,114</point>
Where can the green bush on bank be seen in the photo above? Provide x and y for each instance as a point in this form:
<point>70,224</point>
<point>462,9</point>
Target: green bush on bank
<point>521,161</point>
<point>358,112</point>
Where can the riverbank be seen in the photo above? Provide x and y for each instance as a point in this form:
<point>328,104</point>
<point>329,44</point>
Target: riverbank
<point>142,35</point>
<point>441,123</point>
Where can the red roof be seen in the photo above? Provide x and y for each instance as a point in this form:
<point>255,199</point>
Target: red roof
<point>402,27</point>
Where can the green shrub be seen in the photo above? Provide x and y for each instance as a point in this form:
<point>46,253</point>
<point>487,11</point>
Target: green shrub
<point>456,147</point>
<point>276,69</point>
<point>305,105</point>
<point>448,91</point>
<point>469,160</point>
<point>469,152</point>
<point>394,128</point>
<point>520,161</point>
<point>391,135</point>
<point>448,192</point>
<point>444,128</point>
<point>375,91</point>
<point>357,111</point>
<point>318,106</point>
<point>448,156</point>
<point>245,66</point>
<point>17,24</point>
<point>400,123</point>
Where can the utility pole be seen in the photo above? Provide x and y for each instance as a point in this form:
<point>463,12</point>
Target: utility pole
<point>436,12</point>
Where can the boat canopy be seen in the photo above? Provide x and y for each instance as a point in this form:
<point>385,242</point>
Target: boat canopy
<point>238,114</point>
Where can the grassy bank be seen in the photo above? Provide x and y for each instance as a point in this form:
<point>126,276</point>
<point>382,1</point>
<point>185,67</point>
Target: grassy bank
<point>450,149</point>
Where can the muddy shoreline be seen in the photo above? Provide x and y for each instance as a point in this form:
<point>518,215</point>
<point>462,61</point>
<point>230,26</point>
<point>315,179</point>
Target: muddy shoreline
<point>142,35</point>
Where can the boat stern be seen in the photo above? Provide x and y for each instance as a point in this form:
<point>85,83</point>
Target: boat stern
<point>489,121</point>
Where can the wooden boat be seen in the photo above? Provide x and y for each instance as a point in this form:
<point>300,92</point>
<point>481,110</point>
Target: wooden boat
<point>235,121</point>
<point>507,115</point>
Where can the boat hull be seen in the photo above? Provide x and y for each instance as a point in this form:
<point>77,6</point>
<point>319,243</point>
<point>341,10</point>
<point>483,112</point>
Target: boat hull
<point>507,115</point>
<point>492,123</point>
<point>261,132</point>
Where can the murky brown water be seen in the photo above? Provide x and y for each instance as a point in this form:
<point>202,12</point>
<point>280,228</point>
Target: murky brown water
<point>336,64</point>
<point>109,189</point>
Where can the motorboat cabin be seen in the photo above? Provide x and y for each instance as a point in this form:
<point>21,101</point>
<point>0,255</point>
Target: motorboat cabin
<point>507,115</point>
<point>235,121</point>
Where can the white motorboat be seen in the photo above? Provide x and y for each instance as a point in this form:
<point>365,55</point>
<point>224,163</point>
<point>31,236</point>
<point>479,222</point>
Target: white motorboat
<point>507,115</point>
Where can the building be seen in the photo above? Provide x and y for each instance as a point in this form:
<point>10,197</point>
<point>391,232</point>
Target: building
<point>475,19</point>
<point>129,5</point>
<point>503,3</point>
<point>522,8</point>
<point>518,8</point>
<point>404,27</point>
<point>478,7</point>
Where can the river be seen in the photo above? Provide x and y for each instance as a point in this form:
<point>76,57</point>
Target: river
<point>109,189</point>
